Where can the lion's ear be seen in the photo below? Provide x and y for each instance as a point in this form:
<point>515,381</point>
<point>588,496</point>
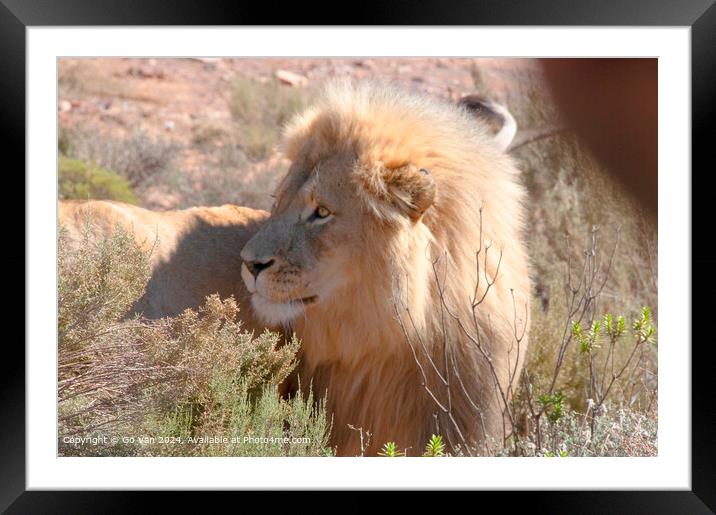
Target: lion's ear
<point>412,189</point>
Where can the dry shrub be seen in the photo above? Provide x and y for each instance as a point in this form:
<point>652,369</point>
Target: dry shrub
<point>140,158</point>
<point>195,374</point>
<point>260,110</point>
<point>593,257</point>
<point>232,179</point>
<point>588,386</point>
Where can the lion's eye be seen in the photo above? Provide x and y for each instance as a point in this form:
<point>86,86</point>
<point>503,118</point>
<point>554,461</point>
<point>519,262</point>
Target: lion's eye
<point>322,212</point>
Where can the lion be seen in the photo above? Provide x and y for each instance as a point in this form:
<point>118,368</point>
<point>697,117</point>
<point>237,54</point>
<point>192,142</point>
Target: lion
<point>396,252</point>
<point>193,252</point>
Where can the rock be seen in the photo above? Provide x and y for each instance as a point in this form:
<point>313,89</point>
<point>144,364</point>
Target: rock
<point>291,78</point>
<point>65,106</point>
<point>210,63</point>
<point>169,125</point>
<point>145,73</point>
<point>368,63</point>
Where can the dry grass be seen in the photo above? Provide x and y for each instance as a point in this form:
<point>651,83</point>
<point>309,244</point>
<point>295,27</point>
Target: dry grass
<point>195,374</point>
<point>593,253</point>
<point>585,390</point>
<point>82,78</point>
<point>238,162</point>
<point>570,196</point>
<point>573,202</point>
<point>260,110</point>
<point>140,158</point>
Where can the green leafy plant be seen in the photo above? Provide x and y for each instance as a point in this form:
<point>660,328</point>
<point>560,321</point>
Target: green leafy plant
<point>550,454</point>
<point>644,330</point>
<point>390,450</point>
<point>435,447</point>
<point>553,405</point>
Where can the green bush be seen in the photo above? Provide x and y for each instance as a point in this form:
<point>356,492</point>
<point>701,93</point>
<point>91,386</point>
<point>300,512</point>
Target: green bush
<point>80,180</point>
<point>192,385</point>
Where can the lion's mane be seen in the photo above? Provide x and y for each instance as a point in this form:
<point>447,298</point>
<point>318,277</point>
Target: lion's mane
<point>407,356</point>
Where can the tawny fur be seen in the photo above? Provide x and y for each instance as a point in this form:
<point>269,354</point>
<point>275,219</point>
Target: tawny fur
<point>194,252</point>
<point>366,141</point>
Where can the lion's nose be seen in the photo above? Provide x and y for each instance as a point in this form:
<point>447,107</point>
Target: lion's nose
<point>255,267</point>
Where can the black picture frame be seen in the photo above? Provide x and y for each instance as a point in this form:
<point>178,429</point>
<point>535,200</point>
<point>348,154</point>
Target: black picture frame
<point>700,15</point>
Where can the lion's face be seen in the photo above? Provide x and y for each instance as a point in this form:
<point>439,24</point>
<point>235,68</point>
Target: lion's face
<point>311,247</point>
<point>302,255</point>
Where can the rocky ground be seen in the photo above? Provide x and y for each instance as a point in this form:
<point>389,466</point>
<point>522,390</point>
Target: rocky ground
<point>188,103</point>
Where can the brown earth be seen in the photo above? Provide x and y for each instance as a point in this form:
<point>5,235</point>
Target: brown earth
<point>175,99</point>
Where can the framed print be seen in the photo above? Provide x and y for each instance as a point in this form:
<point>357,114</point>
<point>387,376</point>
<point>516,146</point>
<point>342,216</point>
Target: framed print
<point>271,257</point>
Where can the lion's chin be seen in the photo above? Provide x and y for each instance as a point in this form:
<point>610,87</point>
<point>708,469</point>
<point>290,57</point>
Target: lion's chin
<point>279,313</point>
